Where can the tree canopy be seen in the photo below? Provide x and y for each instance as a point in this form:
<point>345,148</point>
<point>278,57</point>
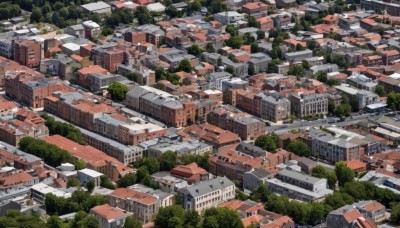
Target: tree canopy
<point>299,148</point>
<point>117,91</point>
<point>269,142</point>
<point>65,129</point>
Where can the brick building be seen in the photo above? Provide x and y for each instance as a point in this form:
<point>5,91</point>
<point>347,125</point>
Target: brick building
<point>108,56</point>
<point>27,53</point>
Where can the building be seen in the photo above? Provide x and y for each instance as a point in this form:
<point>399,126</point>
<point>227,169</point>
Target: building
<point>334,149</point>
<point>207,194</point>
<point>95,159</point>
<point>168,182</point>
<point>143,206</point>
<point>254,178</point>
<point>308,105</point>
<point>27,53</point>
<point>255,7</point>
<point>109,217</point>
<point>99,7</point>
<point>391,8</point>
<point>192,173</point>
<point>6,48</point>
<point>16,180</point>
<point>275,107</point>
<point>25,123</point>
<point>364,97</point>
<point>298,56</point>
<point>165,199</point>
<point>40,190</point>
<point>32,90</point>
<point>362,82</point>
<point>77,31</point>
<point>229,17</point>
<point>108,56</point>
<point>88,175</point>
<point>351,215</point>
<point>298,186</point>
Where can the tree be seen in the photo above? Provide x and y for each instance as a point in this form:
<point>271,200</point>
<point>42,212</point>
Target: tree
<point>235,42</point>
<point>131,222</point>
<point>343,173</point>
<point>64,129</point>
<point>343,110</point>
<point>36,15</point>
<point>210,222</point>
<point>143,15</point>
<point>260,34</point>
<point>106,183</point>
<point>250,70</point>
<point>312,44</point>
<point>317,213</point>
<point>151,163</point>
<point>380,90</point>
<point>192,218</point>
<point>305,64</point>
<point>252,22</point>
<point>331,106</point>
<point>194,50</point>
<point>90,185</point>
<point>185,65</point>
<point>266,142</point>
<point>209,48</point>
<point>73,182</point>
<point>299,148</point>
<point>133,76</point>
<point>226,217</point>
<point>321,76</point>
<point>338,199</point>
<point>166,213</point>
<point>261,194</point>
<point>55,222</point>
<point>89,222</point>
<point>395,215</point>
<point>231,30</point>
<point>296,70</point>
<point>168,160</point>
<point>127,180</point>
<point>321,172</point>
<point>107,31</point>
<point>117,91</point>
<point>254,48</point>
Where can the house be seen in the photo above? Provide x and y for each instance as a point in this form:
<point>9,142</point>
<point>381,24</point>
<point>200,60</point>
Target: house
<point>229,17</point>
<point>109,217</point>
<point>192,173</point>
<point>77,31</point>
<point>254,178</point>
<point>207,194</point>
<point>143,206</point>
<point>99,7</point>
<point>351,216</point>
<point>89,175</point>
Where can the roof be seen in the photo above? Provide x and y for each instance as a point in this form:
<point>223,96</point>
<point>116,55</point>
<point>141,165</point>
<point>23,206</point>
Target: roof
<point>206,187</point>
<point>352,215</point>
<point>299,176</point>
<point>126,193</point>
<point>108,212</point>
<point>90,172</point>
<point>96,6</point>
<point>355,164</point>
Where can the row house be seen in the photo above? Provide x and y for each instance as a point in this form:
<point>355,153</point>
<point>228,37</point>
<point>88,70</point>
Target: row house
<point>32,90</point>
<point>243,124</point>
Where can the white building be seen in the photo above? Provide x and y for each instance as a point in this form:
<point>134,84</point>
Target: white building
<point>40,190</point>
<point>207,194</point>
<point>99,7</point>
<point>87,175</point>
<point>229,17</point>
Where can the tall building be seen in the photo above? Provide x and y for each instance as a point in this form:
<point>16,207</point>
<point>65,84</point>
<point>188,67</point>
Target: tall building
<point>309,105</point>
<point>27,53</point>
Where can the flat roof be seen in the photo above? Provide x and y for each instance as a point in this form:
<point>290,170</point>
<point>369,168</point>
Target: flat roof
<point>96,6</point>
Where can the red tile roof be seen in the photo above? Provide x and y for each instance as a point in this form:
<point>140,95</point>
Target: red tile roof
<point>125,193</point>
<point>108,212</point>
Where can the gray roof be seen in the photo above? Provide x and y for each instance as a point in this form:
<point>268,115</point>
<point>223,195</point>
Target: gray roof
<point>77,27</point>
<point>206,187</point>
<point>299,176</point>
<point>96,6</point>
<point>260,173</point>
<point>307,51</point>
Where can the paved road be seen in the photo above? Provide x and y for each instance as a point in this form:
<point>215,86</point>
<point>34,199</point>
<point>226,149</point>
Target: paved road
<point>298,125</point>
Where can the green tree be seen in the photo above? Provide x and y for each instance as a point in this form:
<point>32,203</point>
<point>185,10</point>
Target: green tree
<point>225,217</point>
<point>299,148</point>
<point>321,76</point>
<point>185,65</point>
<point>127,180</point>
<point>192,218</point>
<point>73,182</point>
<point>235,42</point>
<point>210,222</point>
<point>55,222</point>
<point>266,142</point>
<point>395,215</point>
<point>296,70</point>
<point>143,15</point>
<point>117,91</point>
<point>107,31</point>
<point>231,30</point>
<point>209,48</point>
<point>106,183</point>
<point>343,110</point>
<point>312,44</point>
<point>343,173</point>
<point>261,193</point>
<point>331,106</point>
<point>89,222</point>
<point>380,90</point>
<point>321,172</point>
<point>36,15</point>
<point>166,213</point>
<point>151,163</point>
<point>260,34</point>
<point>317,213</point>
<point>338,199</point>
<point>252,22</point>
<point>168,160</point>
<point>254,48</point>
<point>131,222</point>
<point>305,64</point>
<point>90,185</point>
<point>194,50</point>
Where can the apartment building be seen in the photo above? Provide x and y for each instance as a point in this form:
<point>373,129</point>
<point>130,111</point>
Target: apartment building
<point>391,8</point>
<point>298,55</point>
<point>16,180</point>
<point>6,48</point>
<point>254,178</point>
<point>233,165</point>
<point>243,124</point>
<point>94,158</point>
<point>143,206</point>
<point>364,97</point>
<point>254,7</point>
<point>207,194</point>
<point>27,53</point>
<point>109,217</point>
<point>108,56</point>
<point>192,173</point>
<point>308,104</point>
<point>61,66</point>
<point>32,90</point>
<point>215,79</point>
<point>361,81</point>
<point>334,149</point>
<point>40,190</point>
<point>275,107</point>
<point>298,186</point>
<point>25,123</point>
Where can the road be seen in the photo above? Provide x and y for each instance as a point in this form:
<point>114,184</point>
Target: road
<point>299,125</point>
